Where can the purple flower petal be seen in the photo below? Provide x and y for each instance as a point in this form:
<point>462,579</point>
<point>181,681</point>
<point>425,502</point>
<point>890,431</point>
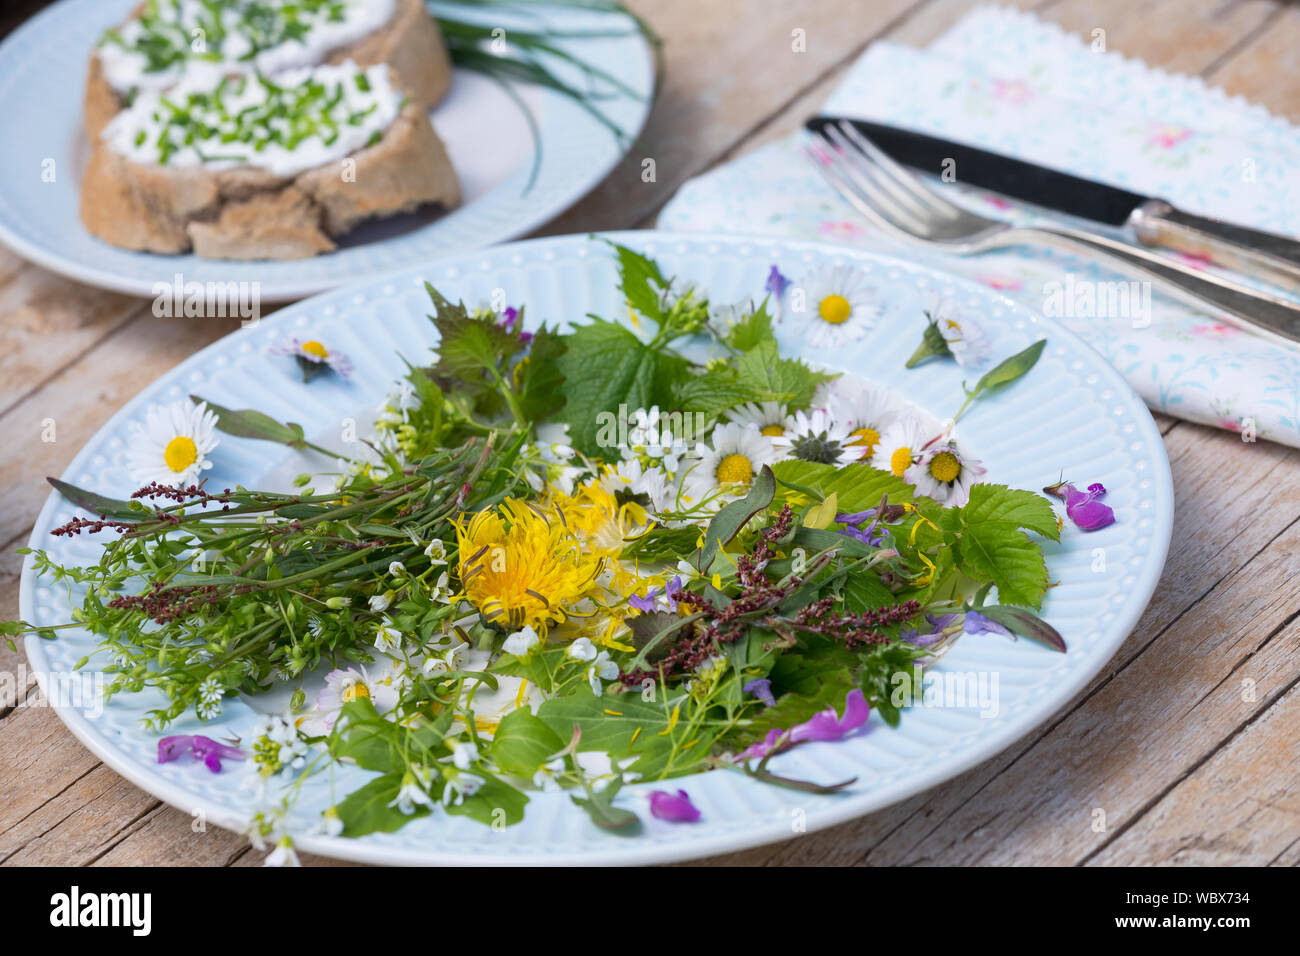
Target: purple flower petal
<point>169,748</point>
<point>764,747</point>
<point>761,688</point>
<point>675,808</point>
<point>977,623</point>
<point>776,282</point>
<point>828,726</point>
<point>1085,510</point>
<point>645,604</point>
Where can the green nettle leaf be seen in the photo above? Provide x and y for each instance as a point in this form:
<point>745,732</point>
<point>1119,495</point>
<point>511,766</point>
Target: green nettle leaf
<point>248,423</point>
<point>1003,374</point>
<point>523,742</point>
<point>641,281</point>
<point>540,378</point>
<point>712,393</point>
<point>779,379</point>
<point>1000,552</point>
<point>753,331</point>
<point>367,810</point>
<point>467,347</point>
<point>96,503</point>
<point>733,516</point>
<point>606,367</point>
<point>998,502</point>
<point>857,487</point>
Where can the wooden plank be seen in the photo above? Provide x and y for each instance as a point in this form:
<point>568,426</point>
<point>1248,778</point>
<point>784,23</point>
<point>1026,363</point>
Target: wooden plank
<point>727,71</point>
<point>1266,70</point>
<point>1241,807</point>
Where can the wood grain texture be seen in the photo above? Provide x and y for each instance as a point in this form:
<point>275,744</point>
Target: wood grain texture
<point>1181,751</point>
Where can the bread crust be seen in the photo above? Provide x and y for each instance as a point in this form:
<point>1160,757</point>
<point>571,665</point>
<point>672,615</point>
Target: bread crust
<point>250,213</point>
<point>411,44</point>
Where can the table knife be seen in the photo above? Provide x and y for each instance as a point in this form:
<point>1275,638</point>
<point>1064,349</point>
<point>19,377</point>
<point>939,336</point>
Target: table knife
<point>1153,221</point>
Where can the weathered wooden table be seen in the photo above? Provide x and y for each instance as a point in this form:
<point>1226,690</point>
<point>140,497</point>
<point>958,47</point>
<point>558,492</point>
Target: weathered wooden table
<point>1188,741</point>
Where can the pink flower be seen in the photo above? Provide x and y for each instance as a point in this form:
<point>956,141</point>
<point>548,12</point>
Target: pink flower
<point>1003,283</point>
<point>203,748</point>
<point>1166,136</point>
<point>1015,92</point>
<point>840,230</point>
<point>673,807</point>
<point>826,725</point>
<point>1083,507</point>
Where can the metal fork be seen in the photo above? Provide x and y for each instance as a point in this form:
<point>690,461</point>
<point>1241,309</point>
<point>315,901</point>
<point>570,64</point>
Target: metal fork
<point>905,207</point>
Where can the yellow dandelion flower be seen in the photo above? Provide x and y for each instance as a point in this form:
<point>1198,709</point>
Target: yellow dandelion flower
<point>520,566</point>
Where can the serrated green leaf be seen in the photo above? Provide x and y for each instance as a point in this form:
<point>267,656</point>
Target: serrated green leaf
<point>998,502</point>
<point>857,487</point>
<point>641,282</point>
<point>539,377</point>
<point>779,379</point>
<point>752,331</point>
<point>1000,552</point>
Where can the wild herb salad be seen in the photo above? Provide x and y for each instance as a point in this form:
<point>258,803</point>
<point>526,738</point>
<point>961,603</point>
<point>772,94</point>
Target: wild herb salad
<point>568,560</point>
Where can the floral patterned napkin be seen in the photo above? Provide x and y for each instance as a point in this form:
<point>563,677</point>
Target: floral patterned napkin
<point>1003,80</point>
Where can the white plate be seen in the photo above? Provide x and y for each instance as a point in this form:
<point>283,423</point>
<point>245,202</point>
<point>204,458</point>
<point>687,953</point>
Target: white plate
<point>1072,415</point>
<point>42,79</point>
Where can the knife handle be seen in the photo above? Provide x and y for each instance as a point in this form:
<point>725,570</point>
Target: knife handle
<point>1252,310</point>
<point>1271,257</point>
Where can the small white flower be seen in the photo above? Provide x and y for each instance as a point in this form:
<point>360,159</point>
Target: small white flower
<point>459,786</point>
<point>388,639</point>
<point>632,477</point>
<point>396,569</point>
<point>330,823</point>
<point>447,660</point>
<point>211,692</point>
<point>521,642</point>
<point>546,774</point>
<point>463,754</point>
<point>413,792</point>
<point>945,473</point>
<point>602,668</point>
<point>172,445</point>
<point>582,649</point>
<point>735,457</point>
<point>815,436</point>
<point>967,341</point>
<point>436,552</point>
<point>838,306</point>
<point>901,444</point>
<point>283,854</point>
<point>768,417</point>
<point>440,592</point>
<point>380,602</point>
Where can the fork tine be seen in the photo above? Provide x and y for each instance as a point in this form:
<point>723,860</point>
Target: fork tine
<point>898,174</point>
<point>846,188</point>
<point>869,191</point>
<point>871,177</point>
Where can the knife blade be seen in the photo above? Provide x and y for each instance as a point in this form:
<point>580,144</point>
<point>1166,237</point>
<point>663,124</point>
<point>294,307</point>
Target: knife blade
<point>1153,221</point>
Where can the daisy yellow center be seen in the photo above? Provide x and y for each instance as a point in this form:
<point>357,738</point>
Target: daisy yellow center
<point>734,467</point>
<point>945,466</point>
<point>180,453</point>
<point>315,349</point>
<point>835,309</point>
<point>865,437</point>
<point>357,691</point>
<point>900,461</point>
<point>772,431</point>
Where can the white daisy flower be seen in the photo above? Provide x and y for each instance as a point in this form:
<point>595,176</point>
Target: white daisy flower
<point>866,411</point>
<point>945,473</point>
<point>173,444</point>
<point>314,358</point>
<point>901,444</point>
<point>768,417</point>
<point>967,341</point>
<point>736,455</point>
<point>343,686</point>
<point>815,436</point>
<point>631,477</point>
<point>837,306</point>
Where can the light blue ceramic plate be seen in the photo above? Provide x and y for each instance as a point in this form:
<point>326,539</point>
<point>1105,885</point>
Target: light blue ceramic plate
<point>42,79</point>
<point>1071,415</point>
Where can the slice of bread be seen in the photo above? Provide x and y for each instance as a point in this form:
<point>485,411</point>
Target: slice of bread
<point>411,44</point>
<point>251,213</point>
